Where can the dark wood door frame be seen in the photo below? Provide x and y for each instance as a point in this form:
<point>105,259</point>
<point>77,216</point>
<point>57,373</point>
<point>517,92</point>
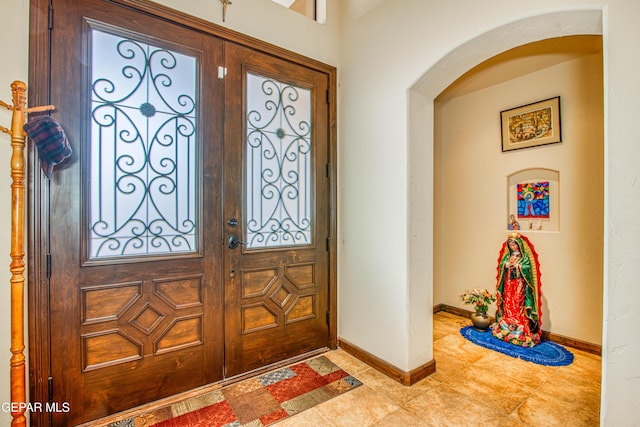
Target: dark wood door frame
<point>38,188</point>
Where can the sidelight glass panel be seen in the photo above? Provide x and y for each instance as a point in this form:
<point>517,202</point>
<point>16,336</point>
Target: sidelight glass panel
<point>278,164</point>
<point>143,175</point>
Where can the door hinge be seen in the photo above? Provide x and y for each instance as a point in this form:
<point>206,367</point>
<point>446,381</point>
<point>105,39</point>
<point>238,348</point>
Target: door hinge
<point>50,17</point>
<point>328,170</point>
<point>222,72</point>
<point>50,389</point>
<point>328,97</point>
<point>48,266</point>
<point>328,244</point>
<point>328,318</point>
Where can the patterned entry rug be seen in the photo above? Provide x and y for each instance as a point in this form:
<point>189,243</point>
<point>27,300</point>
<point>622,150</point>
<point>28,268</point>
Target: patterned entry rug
<point>257,401</point>
<point>546,353</point>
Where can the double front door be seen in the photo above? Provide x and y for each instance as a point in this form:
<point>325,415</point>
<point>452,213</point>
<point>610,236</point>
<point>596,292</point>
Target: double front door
<point>187,234</point>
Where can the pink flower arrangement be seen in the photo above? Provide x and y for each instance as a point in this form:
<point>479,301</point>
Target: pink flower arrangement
<point>479,298</point>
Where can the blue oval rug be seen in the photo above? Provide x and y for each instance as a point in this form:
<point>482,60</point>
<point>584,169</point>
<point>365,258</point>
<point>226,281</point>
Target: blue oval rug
<point>546,353</point>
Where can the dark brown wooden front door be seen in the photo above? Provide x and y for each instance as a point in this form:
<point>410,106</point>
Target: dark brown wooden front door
<point>188,234</point>
<point>136,285</point>
<point>276,208</point>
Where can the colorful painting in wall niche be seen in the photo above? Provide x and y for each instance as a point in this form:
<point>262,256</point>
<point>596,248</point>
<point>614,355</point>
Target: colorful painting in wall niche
<point>533,200</point>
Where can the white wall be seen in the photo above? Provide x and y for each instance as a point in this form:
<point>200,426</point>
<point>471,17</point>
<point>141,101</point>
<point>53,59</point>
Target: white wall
<point>269,21</point>
<point>472,176</point>
<point>396,58</point>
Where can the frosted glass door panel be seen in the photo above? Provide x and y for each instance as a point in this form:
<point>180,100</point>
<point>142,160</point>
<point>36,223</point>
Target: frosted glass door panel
<point>278,155</point>
<point>143,149</point>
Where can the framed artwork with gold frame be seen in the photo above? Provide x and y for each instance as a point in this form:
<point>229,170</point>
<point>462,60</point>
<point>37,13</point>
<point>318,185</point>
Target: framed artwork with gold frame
<point>531,125</point>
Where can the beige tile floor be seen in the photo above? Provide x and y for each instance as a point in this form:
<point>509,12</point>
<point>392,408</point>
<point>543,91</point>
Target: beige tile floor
<point>472,386</point>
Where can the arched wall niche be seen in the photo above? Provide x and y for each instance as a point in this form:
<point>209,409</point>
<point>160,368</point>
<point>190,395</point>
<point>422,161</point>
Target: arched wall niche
<point>535,175</point>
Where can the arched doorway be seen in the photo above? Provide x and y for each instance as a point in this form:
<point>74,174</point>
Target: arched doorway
<point>421,116</point>
<point>476,181</point>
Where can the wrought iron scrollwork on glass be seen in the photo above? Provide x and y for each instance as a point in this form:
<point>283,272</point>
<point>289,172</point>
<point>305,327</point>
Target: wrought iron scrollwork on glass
<point>279,167</point>
<point>143,149</point>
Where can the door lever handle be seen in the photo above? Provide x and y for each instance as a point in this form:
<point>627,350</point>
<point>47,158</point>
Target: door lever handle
<point>233,241</point>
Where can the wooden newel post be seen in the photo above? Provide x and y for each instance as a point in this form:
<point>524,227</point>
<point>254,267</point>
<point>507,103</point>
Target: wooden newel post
<point>18,383</point>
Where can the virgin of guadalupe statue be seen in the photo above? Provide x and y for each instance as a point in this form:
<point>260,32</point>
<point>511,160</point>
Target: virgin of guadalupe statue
<point>518,293</point>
